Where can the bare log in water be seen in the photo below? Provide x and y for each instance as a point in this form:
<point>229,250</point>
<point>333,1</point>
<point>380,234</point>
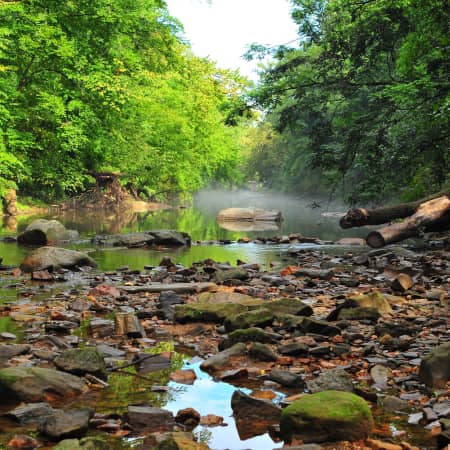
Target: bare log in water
<point>426,215</point>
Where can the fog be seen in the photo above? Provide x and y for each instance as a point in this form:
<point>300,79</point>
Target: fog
<point>306,215</point>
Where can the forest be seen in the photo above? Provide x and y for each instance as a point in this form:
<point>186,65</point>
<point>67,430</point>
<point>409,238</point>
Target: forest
<point>358,108</point>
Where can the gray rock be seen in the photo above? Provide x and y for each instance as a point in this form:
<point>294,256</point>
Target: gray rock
<point>150,419</point>
<point>32,413</point>
<point>67,424</point>
<point>435,367</point>
<point>43,232</point>
<point>80,361</point>
<point>235,273</point>
<point>252,334</point>
<point>392,404</point>
<point>170,238</point>
<point>293,349</point>
<point>35,384</point>
<point>167,300</point>
<point>286,378</point>
<point>260,317</point>
<point>248,407</point>
<point>221,359</point>
<point>334,379</point>
<point>8,351</point>
<point>54,258</point>
<point>261,352</point>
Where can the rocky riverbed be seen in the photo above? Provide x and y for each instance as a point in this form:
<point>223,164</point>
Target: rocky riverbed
<point>357,345</point>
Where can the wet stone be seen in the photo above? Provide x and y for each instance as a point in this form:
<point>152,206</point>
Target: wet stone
<point>286,378</point>
<point>334,379</point>
<point>32,413</point>
<point>261,352</point>
<point>150,419</point>
<point>67,424</point>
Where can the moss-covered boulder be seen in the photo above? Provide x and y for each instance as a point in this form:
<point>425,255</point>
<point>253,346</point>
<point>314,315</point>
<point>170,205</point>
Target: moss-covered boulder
<point>326,417</point>
<point>289,306</point>
<point>80,361</point>
<point>435,367</point>
<point>206,312</point>
<point>36,384</point>
<point>260,317</point>
<point>252,334</point>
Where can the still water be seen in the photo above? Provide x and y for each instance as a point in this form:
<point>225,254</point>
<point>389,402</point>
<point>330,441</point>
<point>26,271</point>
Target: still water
<point>199,221</point>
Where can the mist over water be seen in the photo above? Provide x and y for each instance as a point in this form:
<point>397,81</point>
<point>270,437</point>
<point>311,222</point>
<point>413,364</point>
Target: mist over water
<point>303,215</point>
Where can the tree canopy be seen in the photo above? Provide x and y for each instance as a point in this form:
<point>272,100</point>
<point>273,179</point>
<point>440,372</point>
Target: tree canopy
<point>363,101</point>
<point>109,85</point>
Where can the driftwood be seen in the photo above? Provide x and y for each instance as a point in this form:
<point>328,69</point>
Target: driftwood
<point>360,217</point>
<point>249,215</point>
<point>427,214</point>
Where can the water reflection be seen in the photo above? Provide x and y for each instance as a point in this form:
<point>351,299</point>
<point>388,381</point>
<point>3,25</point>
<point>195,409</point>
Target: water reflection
<point>211,397</point>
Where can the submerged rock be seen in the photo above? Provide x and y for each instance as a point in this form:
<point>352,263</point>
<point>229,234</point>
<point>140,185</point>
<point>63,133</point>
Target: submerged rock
<point>38,384</point>
<point>326,416</point>
<point>43,232</point>
<point>54,258</point>
<point>169,238</point>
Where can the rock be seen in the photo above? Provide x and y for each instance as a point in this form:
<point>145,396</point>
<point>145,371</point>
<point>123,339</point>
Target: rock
<point>380,375</point>
<point>168,238</point>
<point>435,367</point>
<point>37,384</point>
<point>286,378</point>
<point>179,288</point>
<point>334,379</point>
<point>206,312</point>
<point>43,232</point>
<point>351,241</point>
<point>252,334</point>
<point>99,328</point>
<point>366,304</point>
<point>235,273</point>
<point>402,282</point>
<point>308,325</point>
<point>147,363</point>
<point>221,359</point>
<point>188,417</point>
<point>67,424</point>
<point>110,352</point>
<point>227,297</point>
<point>32,413</point>
<point>253,416</point>
<point>80,361</point>
<point>128,324</point>
<point>261,352</point>
<point>376,444</point>
<point>260,317</point>
<point>54,258</point>
<point>8,351</point>
<point>289,306</point>
<point>211,420</point>
<point>167,301</point>
<point>87,443</point>
<point>392,404</point>
<point>150,419</point>
<point>249,215</point>
<point>183,376</point>
<point>326,416</point>
<point>23,442</point>
<point>179,441</point>
<point>293,349</point>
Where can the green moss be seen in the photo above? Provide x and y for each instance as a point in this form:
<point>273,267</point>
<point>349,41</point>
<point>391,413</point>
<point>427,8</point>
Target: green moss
<point>206,312</point>
<point>10,375</point>
<point>257,317</point>
<point>329,404</point>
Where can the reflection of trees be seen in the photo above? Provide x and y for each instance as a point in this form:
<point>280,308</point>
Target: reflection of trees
<point>126,387</point>
<point>7,325</point>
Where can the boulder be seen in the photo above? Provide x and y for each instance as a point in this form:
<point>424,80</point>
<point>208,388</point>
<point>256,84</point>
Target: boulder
<point>334,379</point>
<point>149,418</point>
<point>286,378</point>
<point>37,384</point>
<point>168,238</point>
<point>435,367</point>
<point>291,306</point>
<point>206,312</point>
<point>249,215</point>
<point>234,273</point>
<point>8,351</point>
<point>67,424</point>
<point>221,359</point>
<point>31,413</point>
<point>86,443</point>
<point>54,258</point>
<point>261,352</point>
<point>326,417</point>
<point>260,317</point>
<point>179,441</point>
<point>43,232</point>
<point>80,361</point>
<point>253,334</point>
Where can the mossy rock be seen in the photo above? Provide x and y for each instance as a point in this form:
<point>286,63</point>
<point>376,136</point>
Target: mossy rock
<point>80,361</point>
<point>228,297</point>
<point>260,317</point>
<point>289,306</point>
<point>435,367</point>
<point>327,416</point>
<point>236,273</point>
<point>253,334</point>
<point>371,300</point>
<point>206,312</point>
<point>175,442</point>
<point>359,313</point>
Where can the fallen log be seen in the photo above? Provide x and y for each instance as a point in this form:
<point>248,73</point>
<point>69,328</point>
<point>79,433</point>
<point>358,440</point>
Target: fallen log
<point>249,215</point>
<point>426,215</point>
<point>359,217</point>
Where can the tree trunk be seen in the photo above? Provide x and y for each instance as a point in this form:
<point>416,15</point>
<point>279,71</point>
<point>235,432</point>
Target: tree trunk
<point>359,217</point>
<point>426,215</point>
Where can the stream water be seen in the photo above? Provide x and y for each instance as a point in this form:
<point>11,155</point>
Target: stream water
<point>199,220</point>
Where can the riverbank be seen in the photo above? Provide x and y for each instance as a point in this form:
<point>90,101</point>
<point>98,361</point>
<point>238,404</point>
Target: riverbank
<point>282,333</point>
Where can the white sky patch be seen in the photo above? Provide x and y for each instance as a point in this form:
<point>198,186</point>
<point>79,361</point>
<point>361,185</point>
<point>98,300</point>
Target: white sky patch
<point>223,29</point>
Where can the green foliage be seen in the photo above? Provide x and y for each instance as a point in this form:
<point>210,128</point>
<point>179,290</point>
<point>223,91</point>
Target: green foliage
<point>92,84</point>
<point>365,97</point>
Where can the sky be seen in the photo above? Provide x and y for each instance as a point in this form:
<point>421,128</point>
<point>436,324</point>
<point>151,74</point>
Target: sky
<point>222,29</point>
